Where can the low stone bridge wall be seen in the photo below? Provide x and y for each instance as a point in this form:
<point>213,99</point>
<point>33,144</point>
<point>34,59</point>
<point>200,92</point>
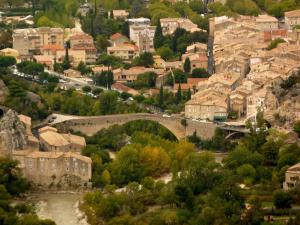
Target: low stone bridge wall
<point>92,124</point>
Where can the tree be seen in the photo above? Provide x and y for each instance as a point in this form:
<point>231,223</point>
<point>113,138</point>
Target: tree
<point>199,73</point>
<point>165,53</point>
<point>145,59</point>
<point>6,61</point>
<point>158,36</point>
<point>297,127</point>
<point>66,63</point>
<point>187,65</point>
<point>282,199</point>
<point>31,68</point>
<point>178,94</point>
<point>179,76</point>
<point>86,89</point>
<point>161,96</point>
<point>145,80</point>
<point>108,103</point>
<point>188,95</point>
<point>102,43</point>
<point>83,68</point>
<point>275,43</point>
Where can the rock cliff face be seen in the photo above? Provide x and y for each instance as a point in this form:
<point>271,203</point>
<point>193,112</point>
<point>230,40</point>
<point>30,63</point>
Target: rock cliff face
<point>12,133</point>
<point>3,91</point>
<point>283,106</point>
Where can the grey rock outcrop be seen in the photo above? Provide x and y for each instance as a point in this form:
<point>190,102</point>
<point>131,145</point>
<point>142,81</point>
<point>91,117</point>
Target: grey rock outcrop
<point>12,133</point>
<point>3,91</point>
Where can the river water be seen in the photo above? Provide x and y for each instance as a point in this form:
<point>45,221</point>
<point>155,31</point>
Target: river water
<point>59,207</point>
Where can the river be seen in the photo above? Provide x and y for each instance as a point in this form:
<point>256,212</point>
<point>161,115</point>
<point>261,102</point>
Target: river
<point>59,207</point>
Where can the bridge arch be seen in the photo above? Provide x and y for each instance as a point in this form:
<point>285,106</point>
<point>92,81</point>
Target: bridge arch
<point>91,125</point>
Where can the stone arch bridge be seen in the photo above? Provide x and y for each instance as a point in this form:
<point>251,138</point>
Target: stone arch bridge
<point>89,125</point>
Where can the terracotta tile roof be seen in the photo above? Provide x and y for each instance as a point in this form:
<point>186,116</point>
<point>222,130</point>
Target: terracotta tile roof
<point>82,36</point>
<point>116,36</point>
<point>122,87</point>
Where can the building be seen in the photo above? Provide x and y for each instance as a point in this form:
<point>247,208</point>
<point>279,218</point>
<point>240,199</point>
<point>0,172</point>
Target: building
<point>72,73</point>
<point>29,41</point>
<point>142,33</point>
<point>197,48</point>
<point>266,23</point>
<point>84,42</point>
<point>292,177</point>
<point>118,38</point>
<point>121,88</point>
<point>197,60</point>
<point>120,14</point>
<point>46,60</point>
<point>9,52</point>
<point>124,51</point>
<point>129,75</point>
<point>55,168</point>
<point>169,25</point>
<point>51,49</point>
<point>207,105</point>
<point>292,18</point>
<point>52,141</point>
<point>75,56</point>
<point>143,36</point>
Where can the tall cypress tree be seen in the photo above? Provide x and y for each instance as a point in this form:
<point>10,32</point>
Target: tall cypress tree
<point>187,65</point>
<point>178,95</point>
<point>189,95</point>
<point>158,36</point>
<point>161,96</point>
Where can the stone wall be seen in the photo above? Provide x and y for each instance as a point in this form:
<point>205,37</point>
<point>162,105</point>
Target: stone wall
<point>204,130</point>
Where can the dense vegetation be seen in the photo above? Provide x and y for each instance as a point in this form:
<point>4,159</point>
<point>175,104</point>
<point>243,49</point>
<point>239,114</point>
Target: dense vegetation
<point>199,185</point>
<point>13,185</point>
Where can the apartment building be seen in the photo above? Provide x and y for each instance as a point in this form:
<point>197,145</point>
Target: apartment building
<point>169,25</point>
<point>29,41</point>
<point>124,51</point>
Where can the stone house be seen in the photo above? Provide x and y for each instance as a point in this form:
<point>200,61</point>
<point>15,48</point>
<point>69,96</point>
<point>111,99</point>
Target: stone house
<point>121,88</point>
<point>266,22</point>
<point>72,73</point>
<point>51,168</point>
<point>292,177</point>
<point>197,60</point>
<point>52,141</point>
<point>292,18</point>
<point>207,105</point>
<point>169,25</point>
<point>197,48</point>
